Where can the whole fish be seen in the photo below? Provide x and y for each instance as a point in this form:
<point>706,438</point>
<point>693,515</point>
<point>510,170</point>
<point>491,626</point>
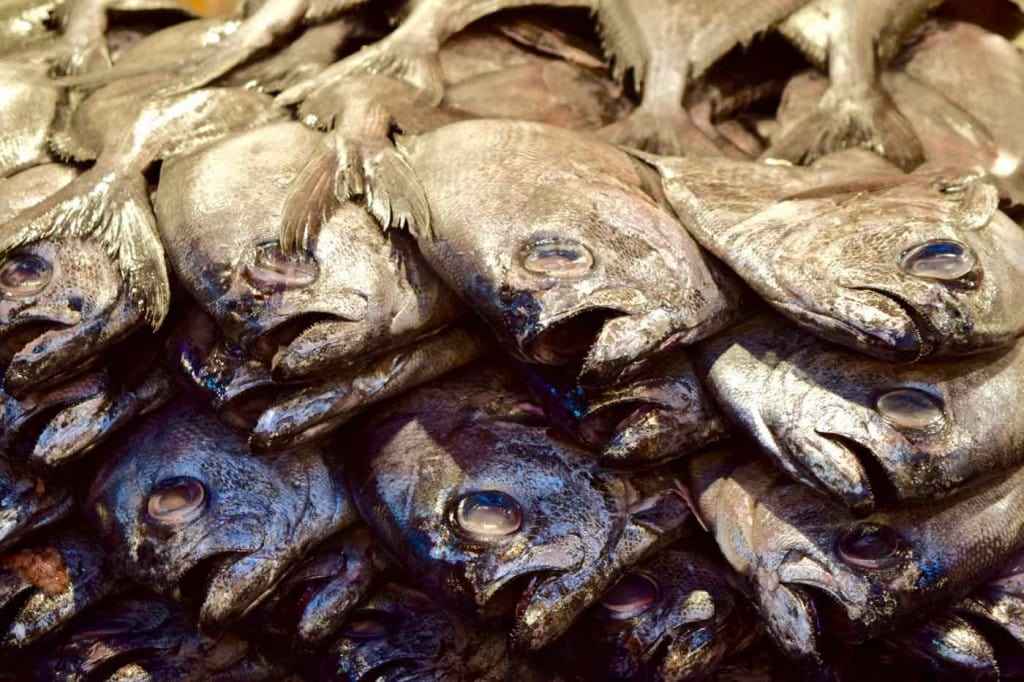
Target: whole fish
<point>29,503</point>
<point>849,37</point>
<point>144,637</point>
<point>896,266</point>
<point>464,485</point>
<point>400,633</point>
<point>48,581</point>
<point>187,510</point>
<point>817,571</point>
<point>860,430</point>
<point>109,204</point>
<point>360,294</point>
<point>666,44</point>
<point>672,617</point>
<point>662,413</point>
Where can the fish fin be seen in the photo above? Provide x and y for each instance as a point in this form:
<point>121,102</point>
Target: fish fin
<point>622,41</point>
<point>310,204</point>
<point>872,123</point>
<point>113,207</point>
<point>321,11</point>
<point>548,40</point>
<point>673,134</point>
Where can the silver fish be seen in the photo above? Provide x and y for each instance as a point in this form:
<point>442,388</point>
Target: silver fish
<point>29,105</point>
<point>816,569</point>
<point>896,266</point>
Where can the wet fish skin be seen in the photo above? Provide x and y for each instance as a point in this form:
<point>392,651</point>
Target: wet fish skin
<point>144,634</point>
<point>29,106</point>
<point>813,565</point>
<point>572,528</point>
<point>817,411</point>
<point>824,245</point>
<point>400,633</point>
<point>661,414</point>
<point>633,285</point>
<point>40,608</point>
<point>244,521</point>
<point>28,503</point>
<point>947,644</point>
<point>695,621</point>
<point>363,294</point>
<point>855,111</point>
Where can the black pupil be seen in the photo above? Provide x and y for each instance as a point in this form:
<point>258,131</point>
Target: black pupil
<point>870,542</point>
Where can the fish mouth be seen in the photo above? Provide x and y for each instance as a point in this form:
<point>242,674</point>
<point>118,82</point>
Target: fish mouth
<point>568,339</point>
<point>400,669</point>
<point>876,483</point>
<point>23,333</point>
<point>242,410</point>
<point>604,424</point>
<point>911,343</point>
<point>200,582</point>
<point>266,342</point>
<point>326,343</point>
<point>13,529</point>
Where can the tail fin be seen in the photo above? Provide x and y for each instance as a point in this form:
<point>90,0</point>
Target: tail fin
<point>111,206</point>
<point>673,135</point>
<point>872,123</point>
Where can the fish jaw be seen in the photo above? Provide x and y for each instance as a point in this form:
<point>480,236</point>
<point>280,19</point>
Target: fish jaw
<point>239,584</point>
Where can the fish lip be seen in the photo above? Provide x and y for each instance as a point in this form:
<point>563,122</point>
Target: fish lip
<point>25,331</point>
<point>205,572</point>
<point>269,336</point>
<point>291,363</point>
<point>26,429</point>
<point>905,349</point>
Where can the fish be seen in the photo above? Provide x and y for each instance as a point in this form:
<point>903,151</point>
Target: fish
<point>359,295</point>
<point>672,617</point>
<point>29,503</point>
<point>666,45</point>
<point>29,107</point>
<point>109,204</point>
<point>851,251</point>
<point>312,601</point>
<point>143,636</point>
<point>400,633</point>
<point>663,413</point>
<point>849,37</point>
<point>48,581</point>
<point>950,646</point>
<point>861,431</point>
<point>489,509</point>
<point>182,504</point>
<point>817,570</point>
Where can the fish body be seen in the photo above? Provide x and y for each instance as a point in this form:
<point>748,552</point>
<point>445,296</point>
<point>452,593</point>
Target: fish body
<point>475,498</point>
<point>184,506</point>
<point>29,107</point>
<point>844,249</point>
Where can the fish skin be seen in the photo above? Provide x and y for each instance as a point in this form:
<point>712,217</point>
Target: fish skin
<point>29,107</point>
<point>697,621</point>
<point>821,245</point>
<point>28,503</point>
<point>661,414</point>
<point>580,526</point>
<point>37,611</point>
<point>420,640</point>
<point>856,111</point>
<point>950,646</point>
<point>260,515</point>
<point>666,44</point>
<point>143,634</point>
<point>376,295</point>
<point>649,288</point>
<point>785,540</point>
<point>812,408</point>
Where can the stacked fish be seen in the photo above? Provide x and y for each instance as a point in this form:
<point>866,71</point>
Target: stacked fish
<point>511,340</point>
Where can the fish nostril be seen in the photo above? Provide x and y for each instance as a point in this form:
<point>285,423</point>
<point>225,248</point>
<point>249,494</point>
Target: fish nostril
<point>911,409</point>
<point>24,275</point>
<point>940,259</point>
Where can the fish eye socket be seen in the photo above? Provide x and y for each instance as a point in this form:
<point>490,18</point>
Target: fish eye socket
<point>941,259</point>
<point>869,545</point>
<point>271,268</point>
<point>911,408</point>
<point>369,624</point>
<point>24,275</point>
<point>557,257</point>
<point>634,594</point>
<point>175,501</point>
<point>488,514</point>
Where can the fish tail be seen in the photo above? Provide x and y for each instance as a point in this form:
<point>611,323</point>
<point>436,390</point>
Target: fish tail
<point>673,134</point>
<point>112,206</point>
<point>872,123</point>
<point>409,61</point>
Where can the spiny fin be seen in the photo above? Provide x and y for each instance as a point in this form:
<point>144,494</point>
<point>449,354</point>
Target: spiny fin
<point>310,204</point>
<point>113,208</point>
<point>738,26</point>
<point>873,123</point>
<point>622,41</point>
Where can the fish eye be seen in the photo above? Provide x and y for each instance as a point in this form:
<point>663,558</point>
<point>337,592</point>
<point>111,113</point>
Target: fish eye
<point>941,259</point>
<point>557,257</point>
<point>271,268</point>
<point>24,275</point>
<point>488,514</point>
<point>633,595</point>
<point>911,408</point>
<point>369,624</point>
<point>869,545</point>
<point>174,501</point>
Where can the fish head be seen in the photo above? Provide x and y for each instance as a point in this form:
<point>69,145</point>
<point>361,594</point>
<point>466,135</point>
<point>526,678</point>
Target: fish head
<point>671,617</point>
<point>28,503</point>
<point>917,265</point>
<point>61,301</point>
<point>190,511</point>
<point>400,633</point>
<point>490,509</point>
<point>357,293</point>
<point>582,267</point>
